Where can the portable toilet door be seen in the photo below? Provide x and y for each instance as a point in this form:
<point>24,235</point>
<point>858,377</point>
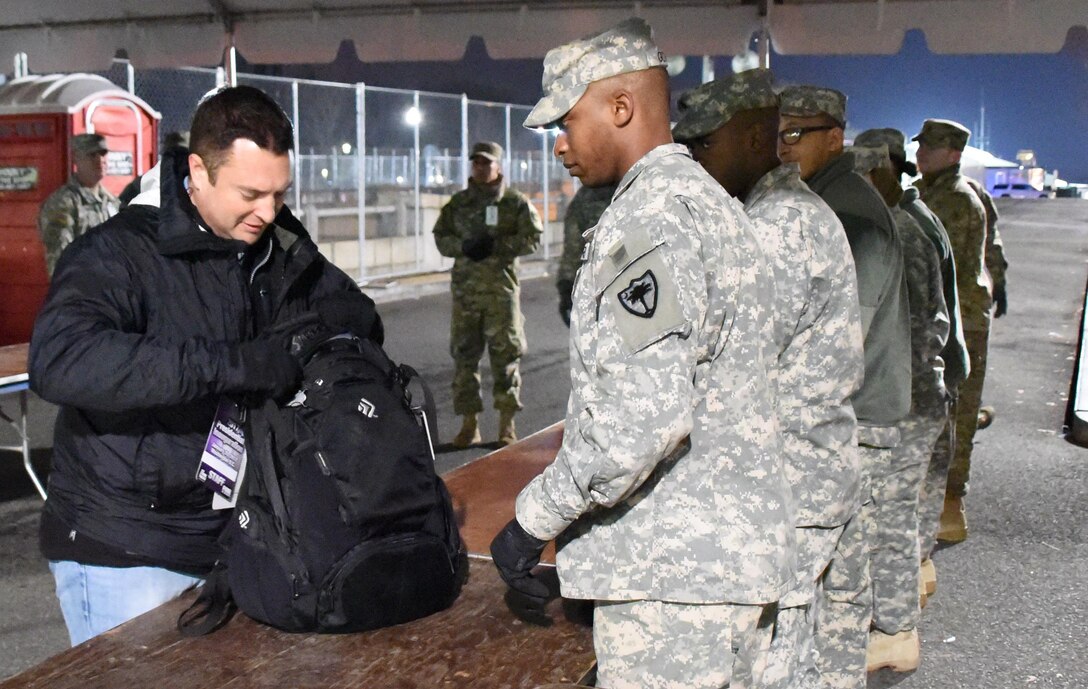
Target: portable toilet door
<point>39,115</point>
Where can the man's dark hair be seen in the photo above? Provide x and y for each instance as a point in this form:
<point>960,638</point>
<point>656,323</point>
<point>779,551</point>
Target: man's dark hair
<point>238,112</point>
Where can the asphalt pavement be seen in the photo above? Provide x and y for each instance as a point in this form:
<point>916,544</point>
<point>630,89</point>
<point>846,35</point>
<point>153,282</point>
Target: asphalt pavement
<point>1011,603</point>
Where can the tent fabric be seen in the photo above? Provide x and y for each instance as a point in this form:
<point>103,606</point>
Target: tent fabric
<point>60,35</point>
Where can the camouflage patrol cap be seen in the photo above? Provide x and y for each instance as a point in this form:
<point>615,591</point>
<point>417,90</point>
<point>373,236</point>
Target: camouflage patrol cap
<point>868,158</point>
<point>809,101</point>
<point>895,140</point>
<point>710,106</point>
<point>487,149</point>
<point>89,143</point>
<point>571,68</point>
<point>943,134</point>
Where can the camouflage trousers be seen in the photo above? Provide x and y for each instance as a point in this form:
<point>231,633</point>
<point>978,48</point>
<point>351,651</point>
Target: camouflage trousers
<point>494,321</point>
<point>791,662</point>
<point>894,549</point>
<point>650,644</point>
<point>970,398</point>
<point>931,496</point>
<point>844,610</point>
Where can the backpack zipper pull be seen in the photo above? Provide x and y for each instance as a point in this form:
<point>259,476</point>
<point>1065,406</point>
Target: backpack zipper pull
<point>322,463</point>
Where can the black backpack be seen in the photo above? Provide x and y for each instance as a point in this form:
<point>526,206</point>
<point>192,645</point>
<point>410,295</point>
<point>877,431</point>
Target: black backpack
<point>341,523</point>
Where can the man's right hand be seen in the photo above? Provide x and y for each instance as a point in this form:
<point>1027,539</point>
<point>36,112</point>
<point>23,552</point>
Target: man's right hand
<point>268,369</point>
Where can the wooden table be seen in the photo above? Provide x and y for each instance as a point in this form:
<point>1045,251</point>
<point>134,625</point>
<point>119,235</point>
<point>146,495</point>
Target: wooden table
<point>14,380</point>
<point>477,643</point>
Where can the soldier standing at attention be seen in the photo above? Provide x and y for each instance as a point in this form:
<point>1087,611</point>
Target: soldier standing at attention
<point>810,133</point>
<point>946,192</point>
<point>668,497</point>
<point>584,211</point>
<point>954,354</point>
<point>731,127</point>
<point>484,229</point>
<point>894,641</point>
<point>82,203</point>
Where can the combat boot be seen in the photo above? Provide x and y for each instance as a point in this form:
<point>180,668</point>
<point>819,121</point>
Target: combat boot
<point>928,573</point>
<point>953,528</point>
<point>900,652</point>
<point>507,433</point>
<point>923,597</point>
<point>469,433</point>
<point>985,417</point>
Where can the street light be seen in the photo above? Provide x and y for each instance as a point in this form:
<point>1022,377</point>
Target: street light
<point>346,148</point>
<point>413,117</point>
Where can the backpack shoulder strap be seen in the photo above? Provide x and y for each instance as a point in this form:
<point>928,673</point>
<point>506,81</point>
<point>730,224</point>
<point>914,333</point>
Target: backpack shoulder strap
<point>213,607</point>
<point>408,374</point>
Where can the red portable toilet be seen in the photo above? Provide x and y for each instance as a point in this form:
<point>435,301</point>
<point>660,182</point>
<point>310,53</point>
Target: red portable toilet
<point>38,117</point>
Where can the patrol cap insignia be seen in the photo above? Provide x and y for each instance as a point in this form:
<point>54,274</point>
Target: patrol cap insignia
<point>640,296</point>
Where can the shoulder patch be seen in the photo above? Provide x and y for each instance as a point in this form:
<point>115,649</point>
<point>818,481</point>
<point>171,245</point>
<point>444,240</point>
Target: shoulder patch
<point>640,295</point>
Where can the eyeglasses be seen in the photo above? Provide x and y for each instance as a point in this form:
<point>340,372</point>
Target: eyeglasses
<point>793,134</point>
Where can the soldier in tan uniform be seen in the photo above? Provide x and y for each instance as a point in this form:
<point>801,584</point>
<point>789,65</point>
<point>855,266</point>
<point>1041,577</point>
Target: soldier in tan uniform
<point>484,229</point>
<point>668,497</point>
<point>82,203</point>
<point>584,211</point>
<point>950,197</point>
<point>731,127</point>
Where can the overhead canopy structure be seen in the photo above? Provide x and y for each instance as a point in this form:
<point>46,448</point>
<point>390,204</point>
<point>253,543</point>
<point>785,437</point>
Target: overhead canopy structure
<point>61,35</point>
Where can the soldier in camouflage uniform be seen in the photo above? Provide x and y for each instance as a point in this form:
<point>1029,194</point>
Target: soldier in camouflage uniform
<point>668,497</point>
<point>484,229</point>
<point>954,354</point>
<point>894,641</point>
<point>810,133</point>
<point>584,211</point>
<point>82,203</point>
<point>731,127</point>
<point>946,192</point>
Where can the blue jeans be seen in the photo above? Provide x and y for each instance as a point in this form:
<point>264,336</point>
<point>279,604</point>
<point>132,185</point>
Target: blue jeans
<point>94,599</point>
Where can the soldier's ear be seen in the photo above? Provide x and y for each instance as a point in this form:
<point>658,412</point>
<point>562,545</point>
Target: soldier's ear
<point>623,107</point>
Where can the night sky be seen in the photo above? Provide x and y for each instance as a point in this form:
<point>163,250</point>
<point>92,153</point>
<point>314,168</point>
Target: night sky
<point>1035,101</point>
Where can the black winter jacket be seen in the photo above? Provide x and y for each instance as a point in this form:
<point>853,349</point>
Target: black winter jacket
<point>138,342</point>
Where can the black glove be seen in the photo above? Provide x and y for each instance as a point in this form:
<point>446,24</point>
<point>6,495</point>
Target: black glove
<point>515,553</point>
<point>268,370</point>
<point>566,299</point>
<point>478,248</point>
<point>1001,301</point>
<point>353,312</point>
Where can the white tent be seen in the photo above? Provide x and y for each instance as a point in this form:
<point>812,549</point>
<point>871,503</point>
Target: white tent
<point>63,35</point>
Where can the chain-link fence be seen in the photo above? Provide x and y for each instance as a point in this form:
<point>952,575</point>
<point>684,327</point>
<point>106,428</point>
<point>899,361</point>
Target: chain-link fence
<point>373,165</point>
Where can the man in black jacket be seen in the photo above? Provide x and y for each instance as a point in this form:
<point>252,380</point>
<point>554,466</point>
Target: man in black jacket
<point>152,321</point>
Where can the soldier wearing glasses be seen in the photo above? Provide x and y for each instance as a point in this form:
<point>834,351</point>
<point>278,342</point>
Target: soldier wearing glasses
<point>810,133</point>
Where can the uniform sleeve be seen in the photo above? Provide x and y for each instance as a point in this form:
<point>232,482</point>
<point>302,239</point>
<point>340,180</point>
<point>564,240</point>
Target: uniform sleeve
<point>928,312</point>
<point>965,219</point>
<point>573,244</point>
<point>525,239</point>
<point>446,237</point>
<point>638,399</point>
<point>56,225</point>
<point>89,349</point>
<point>995,257</point>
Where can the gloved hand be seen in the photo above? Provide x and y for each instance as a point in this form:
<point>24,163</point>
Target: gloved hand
<point>1001,302</point>
<point>268,370</point>
<point>478,248</point>
<point>353,312</point>
<point>566,299</point>
<point>515,553</point>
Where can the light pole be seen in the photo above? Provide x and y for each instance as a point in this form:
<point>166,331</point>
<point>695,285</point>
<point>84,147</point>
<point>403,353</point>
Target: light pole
<point>413,117</point>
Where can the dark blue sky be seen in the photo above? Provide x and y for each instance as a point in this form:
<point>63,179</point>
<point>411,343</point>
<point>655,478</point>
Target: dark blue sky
<point>1035,101</point>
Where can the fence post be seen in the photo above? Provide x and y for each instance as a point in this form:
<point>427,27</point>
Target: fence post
<point>298,143</point>
<point>416,159</point>
<point>464,140</point>
<point>545,138</point>
<point>360,167</point>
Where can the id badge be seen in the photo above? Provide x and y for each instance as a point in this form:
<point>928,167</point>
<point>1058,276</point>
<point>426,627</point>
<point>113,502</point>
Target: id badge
<point>491,216</point>
<point>223,461</point>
